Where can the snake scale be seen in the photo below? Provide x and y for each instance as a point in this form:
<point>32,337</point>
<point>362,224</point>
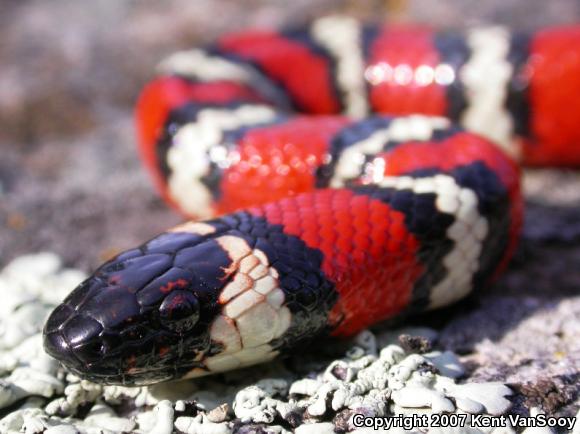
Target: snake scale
<point>336,176</point>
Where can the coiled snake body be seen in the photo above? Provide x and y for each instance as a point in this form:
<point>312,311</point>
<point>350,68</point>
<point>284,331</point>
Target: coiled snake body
<point>331,216</point>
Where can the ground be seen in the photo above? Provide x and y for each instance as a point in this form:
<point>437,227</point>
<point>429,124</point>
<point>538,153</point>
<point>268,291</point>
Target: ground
<point>71,182</point>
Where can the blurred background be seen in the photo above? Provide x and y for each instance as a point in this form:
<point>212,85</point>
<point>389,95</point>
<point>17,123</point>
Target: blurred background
<point>70,72</point>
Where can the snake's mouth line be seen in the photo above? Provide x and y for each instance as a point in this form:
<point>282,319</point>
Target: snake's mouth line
<point>342,200</point>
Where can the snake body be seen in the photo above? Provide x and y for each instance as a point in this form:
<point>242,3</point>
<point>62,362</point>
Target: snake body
<point>331,215</point>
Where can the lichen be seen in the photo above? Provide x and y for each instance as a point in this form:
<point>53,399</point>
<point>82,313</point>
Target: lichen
<point>384,374</point>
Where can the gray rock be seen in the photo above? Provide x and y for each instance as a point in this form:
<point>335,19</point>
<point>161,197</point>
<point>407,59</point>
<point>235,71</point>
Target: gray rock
<point>372,379</point>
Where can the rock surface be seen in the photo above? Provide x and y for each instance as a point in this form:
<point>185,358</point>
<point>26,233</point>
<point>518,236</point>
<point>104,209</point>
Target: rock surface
<point>378,374</point>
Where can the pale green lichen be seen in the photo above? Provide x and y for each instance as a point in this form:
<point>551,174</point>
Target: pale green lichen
<point>376,377</point>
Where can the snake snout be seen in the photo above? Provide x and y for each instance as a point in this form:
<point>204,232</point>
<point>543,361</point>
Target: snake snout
<point>74,339</point>
<point>138,319</point>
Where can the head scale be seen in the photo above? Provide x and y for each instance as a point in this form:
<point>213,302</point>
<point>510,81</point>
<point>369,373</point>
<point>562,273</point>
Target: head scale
<point>145,315</point>
<point>192,301</point>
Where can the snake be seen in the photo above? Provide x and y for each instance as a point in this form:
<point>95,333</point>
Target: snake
<point>333,177</point>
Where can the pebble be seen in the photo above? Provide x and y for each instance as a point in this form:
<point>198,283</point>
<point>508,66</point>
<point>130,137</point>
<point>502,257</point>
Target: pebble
<point>103,417</point>
<point>576,429</point>
<point>306,387</point>
<point>61,429</point>
<point>420,397</point>
<point>446,363</point>
<point>199,425</point>
<point>534,412</point>
<point>218,414</point>
<point>491,395</point>
<point>375,377</point>
<point>163,415</point>
<point>316,428</point>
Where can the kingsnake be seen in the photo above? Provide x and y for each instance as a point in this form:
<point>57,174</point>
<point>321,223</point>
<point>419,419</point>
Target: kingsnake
<point>330,216</point>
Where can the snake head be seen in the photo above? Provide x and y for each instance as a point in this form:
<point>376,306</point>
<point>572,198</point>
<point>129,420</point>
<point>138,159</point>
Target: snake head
<point>144,316</point>
<point>201,298</point>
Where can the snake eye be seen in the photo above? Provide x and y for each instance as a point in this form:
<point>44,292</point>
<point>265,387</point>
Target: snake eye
<point>179,311</point>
